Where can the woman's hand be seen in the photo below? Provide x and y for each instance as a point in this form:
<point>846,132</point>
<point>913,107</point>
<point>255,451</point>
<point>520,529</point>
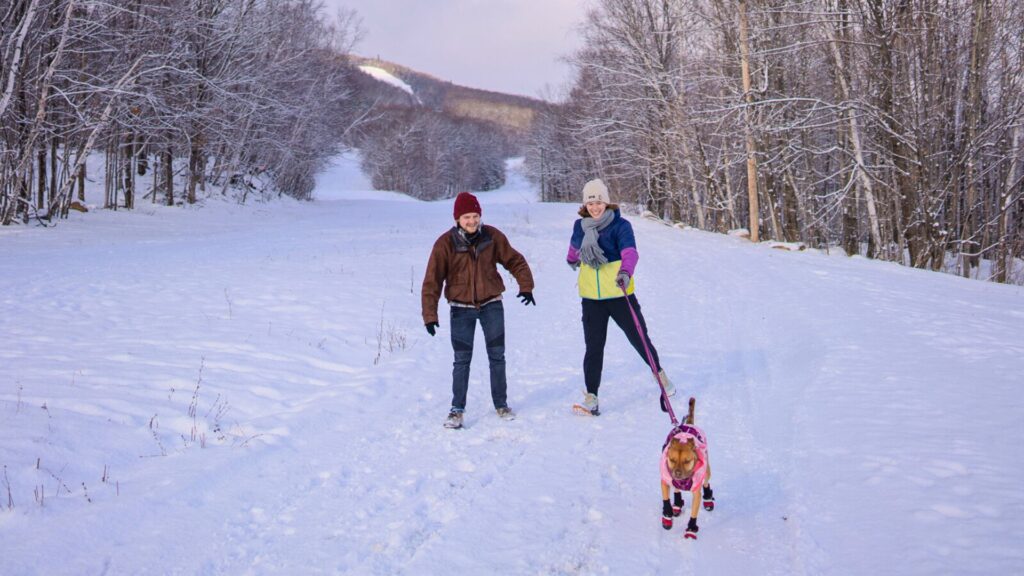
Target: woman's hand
<point>622,280</point>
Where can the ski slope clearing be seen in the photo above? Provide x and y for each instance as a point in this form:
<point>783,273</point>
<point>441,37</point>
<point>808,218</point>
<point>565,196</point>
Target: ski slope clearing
<point>250,390</point>
<point>389,78</point>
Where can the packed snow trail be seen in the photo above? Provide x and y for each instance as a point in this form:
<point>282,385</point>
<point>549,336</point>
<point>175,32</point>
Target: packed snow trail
<point>250,390</point>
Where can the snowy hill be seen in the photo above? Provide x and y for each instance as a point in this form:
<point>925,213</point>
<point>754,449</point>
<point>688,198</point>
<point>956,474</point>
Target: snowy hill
<point>389,79</point>
<point>514,114</point>
<point>249,390</point>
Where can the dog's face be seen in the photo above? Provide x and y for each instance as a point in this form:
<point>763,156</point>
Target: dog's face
<point>682,458</point>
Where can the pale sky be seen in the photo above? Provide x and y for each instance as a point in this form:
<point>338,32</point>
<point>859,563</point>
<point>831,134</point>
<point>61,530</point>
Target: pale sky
<point>512,46</point>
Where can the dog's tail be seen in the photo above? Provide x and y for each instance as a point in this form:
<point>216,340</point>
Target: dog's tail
<point>689,416</point>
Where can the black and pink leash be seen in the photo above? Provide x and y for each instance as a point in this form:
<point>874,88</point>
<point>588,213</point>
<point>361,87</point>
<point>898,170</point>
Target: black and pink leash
<point>650,358</point>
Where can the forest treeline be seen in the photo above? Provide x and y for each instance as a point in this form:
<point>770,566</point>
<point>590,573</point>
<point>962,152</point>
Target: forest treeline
<point>890,127</point>
<point>185,98</point>
<point>176,95</point>
<point>429,154</point>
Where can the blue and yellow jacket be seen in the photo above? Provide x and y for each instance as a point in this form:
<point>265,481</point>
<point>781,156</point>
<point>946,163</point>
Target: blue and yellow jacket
<point>619,246</point>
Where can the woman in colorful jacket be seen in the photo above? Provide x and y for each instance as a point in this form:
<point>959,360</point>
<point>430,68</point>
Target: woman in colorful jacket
<point>603,249</point>
<point>464,263</point>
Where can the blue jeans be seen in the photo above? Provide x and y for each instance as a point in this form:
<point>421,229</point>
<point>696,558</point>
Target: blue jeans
<point>463,323</point>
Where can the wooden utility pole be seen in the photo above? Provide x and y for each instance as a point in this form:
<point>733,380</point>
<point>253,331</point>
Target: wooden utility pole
<point>751,145</point>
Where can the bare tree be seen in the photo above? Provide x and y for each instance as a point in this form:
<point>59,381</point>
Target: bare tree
<point>894,124</point>
<point>197,91</point>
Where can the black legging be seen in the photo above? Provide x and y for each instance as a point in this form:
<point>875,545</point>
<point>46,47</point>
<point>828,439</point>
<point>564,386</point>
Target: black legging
<point>595,332</point>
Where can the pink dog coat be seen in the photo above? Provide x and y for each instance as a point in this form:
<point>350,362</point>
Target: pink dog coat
<point>683,433</point>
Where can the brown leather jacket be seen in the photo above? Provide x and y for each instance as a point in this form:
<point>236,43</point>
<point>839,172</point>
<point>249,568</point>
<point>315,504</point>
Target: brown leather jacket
<point>469,272</point>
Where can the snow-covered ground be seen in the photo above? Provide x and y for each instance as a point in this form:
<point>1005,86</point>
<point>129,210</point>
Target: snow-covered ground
<point>249,390</point>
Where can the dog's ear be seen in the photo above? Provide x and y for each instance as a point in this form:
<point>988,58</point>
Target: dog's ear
<point>692,443</point>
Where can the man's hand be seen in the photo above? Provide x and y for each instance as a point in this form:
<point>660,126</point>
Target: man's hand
<point>527,298</point>
<point>431,327</point>
<point>574,265</point>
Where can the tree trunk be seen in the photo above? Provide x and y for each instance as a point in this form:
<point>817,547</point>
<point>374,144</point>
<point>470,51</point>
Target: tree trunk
<point>143,156</point>
<point>911,224</point>
<point>111,175</point>
<point>16,59</point>
<point>54,167</point>
<point>748,124</point>
<point>128,172</point>
<point>1004,252</point>
<point>41,179</point>
<point>698,206</point>
<point>80,172</point>
<point>168,167</point>
<point>970,248</point>
<point>195,168</point>
<point>855,140</point>
<point>790,208</point>
<point>770,185</point>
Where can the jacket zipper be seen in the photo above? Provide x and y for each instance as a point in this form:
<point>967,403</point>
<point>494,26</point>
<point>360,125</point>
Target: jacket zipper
<point>472,253</point>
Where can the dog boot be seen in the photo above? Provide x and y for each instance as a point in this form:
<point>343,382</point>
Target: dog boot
<point>709,498</point>
<point>589,406</point>
<point>677,504</point>
<point>666,515</point>
<point>454,420</point>
<point>691,529</point>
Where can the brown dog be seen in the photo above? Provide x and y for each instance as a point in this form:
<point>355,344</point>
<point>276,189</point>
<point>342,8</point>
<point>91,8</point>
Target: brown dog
<point>685,466</point>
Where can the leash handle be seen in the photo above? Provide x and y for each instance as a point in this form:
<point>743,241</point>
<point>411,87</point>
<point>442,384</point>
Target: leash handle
<point>650,361</point>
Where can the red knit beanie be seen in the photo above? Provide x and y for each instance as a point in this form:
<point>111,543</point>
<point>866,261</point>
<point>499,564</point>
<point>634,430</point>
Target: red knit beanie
<point>466,203</point>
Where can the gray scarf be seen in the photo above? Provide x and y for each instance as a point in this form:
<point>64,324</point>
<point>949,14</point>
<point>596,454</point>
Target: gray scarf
<point>590,252</point>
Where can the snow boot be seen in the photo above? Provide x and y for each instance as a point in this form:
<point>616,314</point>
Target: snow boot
<point>589,406</point>
<point>506,413</point>
<point>677,504</point>
<point>454,420</point>
<point>667,512</point>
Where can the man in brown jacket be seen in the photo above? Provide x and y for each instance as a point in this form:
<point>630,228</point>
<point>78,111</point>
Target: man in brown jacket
<point>464,260</point>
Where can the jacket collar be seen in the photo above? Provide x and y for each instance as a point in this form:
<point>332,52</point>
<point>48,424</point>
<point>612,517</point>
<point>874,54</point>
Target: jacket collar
<point>463,245</point>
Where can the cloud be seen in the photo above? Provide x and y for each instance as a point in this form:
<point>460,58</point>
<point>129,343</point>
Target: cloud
<point>513,46</point>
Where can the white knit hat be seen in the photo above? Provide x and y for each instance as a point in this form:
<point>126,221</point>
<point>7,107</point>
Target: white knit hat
<point>595,191</point>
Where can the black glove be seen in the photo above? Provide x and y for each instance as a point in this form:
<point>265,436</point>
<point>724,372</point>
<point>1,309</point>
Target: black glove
<point>431,326</point>
<point>574,265</point>
<point>527,298</point>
